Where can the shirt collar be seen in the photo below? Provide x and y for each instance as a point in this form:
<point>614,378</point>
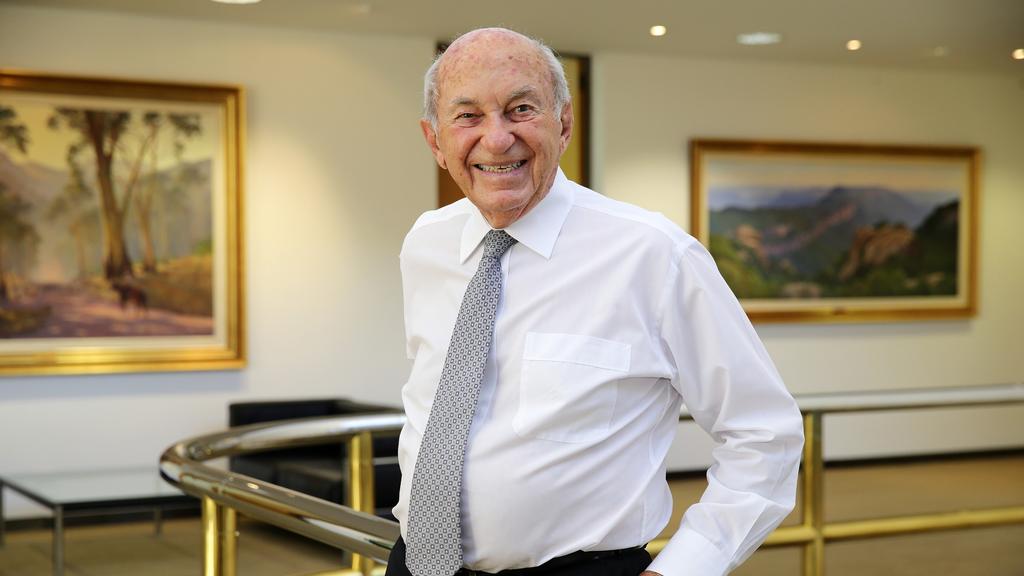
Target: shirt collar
<point>537,230</point>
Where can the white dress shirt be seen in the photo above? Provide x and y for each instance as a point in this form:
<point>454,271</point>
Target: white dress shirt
<point>610,318</point>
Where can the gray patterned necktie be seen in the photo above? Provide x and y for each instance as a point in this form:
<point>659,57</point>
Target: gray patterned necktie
<point>434,533</point>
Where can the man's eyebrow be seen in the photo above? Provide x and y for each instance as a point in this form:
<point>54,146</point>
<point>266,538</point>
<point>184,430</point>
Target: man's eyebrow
<point>521,92</point>
<point>463,102</point>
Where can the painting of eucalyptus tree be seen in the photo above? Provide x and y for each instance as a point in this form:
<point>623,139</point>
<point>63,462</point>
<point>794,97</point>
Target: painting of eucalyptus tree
<point>840,232</point>
<point>119,225</point>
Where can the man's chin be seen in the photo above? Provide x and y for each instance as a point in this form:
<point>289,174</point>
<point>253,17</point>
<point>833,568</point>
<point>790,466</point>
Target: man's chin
<point>501,199</point>
<point>502,210</point>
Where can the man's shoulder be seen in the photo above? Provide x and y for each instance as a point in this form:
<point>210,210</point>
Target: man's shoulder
<point>433,224</point>
<point>638,221</point>
<point>442,215</point>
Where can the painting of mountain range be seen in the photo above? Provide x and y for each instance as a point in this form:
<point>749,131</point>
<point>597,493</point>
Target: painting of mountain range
<point>844,229</point>
<point>114,219</point>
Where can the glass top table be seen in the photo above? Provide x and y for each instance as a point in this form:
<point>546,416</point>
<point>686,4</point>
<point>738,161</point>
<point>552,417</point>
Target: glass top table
<point>87,488</point>
<point>93,492</point>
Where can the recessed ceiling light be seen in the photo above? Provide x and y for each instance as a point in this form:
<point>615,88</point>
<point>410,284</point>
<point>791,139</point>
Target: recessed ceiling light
<point>658,30</point>
<point>236,1</point>
<point>853,45</point>
<point>1018,54</point>
<point>759,38</point>
<point>940,51</point>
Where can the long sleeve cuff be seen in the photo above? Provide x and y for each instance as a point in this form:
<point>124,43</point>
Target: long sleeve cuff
<point>689,553</point>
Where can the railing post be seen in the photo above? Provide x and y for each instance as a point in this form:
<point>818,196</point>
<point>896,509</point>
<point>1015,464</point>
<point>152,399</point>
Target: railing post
<point>813,502</point>
<point>360,487</point>
<point>227,518</point>
<point>220,550</point>
<point>211,539</point>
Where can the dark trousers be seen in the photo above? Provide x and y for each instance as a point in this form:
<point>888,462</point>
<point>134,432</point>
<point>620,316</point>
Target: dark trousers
<point>618,563</point>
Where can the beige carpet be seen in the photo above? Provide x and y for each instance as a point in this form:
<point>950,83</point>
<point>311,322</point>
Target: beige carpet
<point>851,493</point>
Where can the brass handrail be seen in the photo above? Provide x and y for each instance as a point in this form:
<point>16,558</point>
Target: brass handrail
<point>355,529</point>
<point>223,492</point>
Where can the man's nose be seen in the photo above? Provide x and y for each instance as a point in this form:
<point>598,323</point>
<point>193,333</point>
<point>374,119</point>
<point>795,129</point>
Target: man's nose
<point>498,136</point>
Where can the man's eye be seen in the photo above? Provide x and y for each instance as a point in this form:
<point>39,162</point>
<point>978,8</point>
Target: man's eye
<point>465,116</point>
<point>523,108</point>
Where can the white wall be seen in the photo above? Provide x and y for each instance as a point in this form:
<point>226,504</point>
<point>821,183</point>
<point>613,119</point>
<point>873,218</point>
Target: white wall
<point>649,107</point>
<point>336,172</point>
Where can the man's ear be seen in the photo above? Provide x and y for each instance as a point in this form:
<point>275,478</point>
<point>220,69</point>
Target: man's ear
<point>567,124</point>
<point>431,136</point>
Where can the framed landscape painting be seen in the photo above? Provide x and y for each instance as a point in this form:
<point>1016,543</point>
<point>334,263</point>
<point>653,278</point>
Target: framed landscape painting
<point>840,232</point>
<point>120,225</point>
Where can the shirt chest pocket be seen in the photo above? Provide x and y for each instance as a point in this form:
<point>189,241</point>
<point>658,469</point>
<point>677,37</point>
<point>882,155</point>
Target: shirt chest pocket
<point>569,386</point>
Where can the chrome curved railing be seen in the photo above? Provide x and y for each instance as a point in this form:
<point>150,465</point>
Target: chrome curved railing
<point>351,528</point>
<point>355,529</point>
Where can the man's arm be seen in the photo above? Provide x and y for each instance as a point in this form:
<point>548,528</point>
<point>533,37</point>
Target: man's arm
<point>735,394</point>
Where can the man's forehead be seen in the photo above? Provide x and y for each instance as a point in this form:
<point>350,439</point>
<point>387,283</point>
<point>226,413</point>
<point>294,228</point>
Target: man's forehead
<point>488,40</point>
<point>516,72</point>
<point>480,51</point>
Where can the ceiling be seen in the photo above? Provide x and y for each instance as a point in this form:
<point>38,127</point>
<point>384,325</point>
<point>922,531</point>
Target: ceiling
<point>975,35</point>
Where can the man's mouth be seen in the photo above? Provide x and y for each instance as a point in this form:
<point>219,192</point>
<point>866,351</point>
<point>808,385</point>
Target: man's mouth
<point>499,168</point>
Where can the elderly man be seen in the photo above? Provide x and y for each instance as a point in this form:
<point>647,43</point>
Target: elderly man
<point>555,334</point>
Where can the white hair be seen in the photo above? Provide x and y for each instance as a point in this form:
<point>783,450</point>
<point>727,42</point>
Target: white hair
<point>559,84</point>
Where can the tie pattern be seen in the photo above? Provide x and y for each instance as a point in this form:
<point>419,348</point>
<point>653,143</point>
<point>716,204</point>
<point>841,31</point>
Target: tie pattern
<point>434,533</point>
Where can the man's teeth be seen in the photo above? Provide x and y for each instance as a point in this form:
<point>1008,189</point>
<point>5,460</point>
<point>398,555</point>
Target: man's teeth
<point>500,167</point>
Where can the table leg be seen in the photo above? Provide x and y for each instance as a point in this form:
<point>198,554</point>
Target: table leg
<point>58,541</point>
<point>1,514</point>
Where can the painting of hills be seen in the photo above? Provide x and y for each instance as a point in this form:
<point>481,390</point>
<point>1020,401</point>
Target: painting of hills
<point>839,228</point>
<point>106,219</point>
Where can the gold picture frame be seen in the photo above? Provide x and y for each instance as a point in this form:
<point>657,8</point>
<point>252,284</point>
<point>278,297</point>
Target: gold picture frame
<point>832,232</point>
<point>120,225</point>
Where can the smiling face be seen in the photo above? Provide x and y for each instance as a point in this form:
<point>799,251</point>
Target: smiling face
<point>498,131</point>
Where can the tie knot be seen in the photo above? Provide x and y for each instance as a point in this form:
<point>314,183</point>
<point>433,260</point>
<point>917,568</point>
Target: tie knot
<point>496,243</point>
